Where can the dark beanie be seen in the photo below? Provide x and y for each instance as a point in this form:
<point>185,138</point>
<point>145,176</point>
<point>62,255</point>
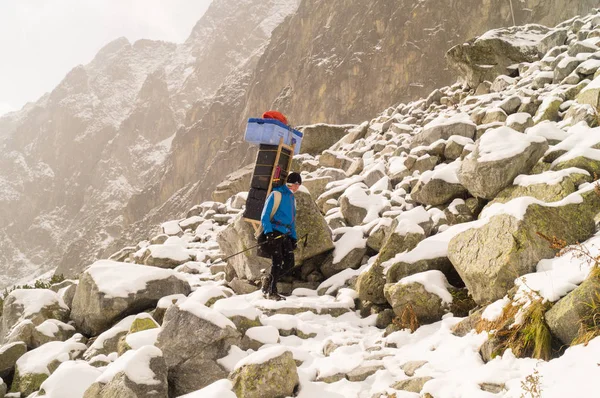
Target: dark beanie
<point>294,178</point>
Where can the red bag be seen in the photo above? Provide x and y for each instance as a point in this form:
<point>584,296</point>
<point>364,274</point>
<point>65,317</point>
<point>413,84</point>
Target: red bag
<point>275,115</point>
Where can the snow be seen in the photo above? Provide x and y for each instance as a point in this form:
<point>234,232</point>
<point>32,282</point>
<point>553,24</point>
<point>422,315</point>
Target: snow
<point>218,389</point>
<point>51,327</point>
<point>171,227</point>
<point>339,280</point>
<point>34,300</point>
<point>444,120</point>
<point>548,177</point>
<point>494,310</point>
<point>504,143</point>
<point>444,172</point>
<point>236,306</point>
<point>357,196</point>
<point>143,338</point>
<point>264,334</point>
<point>37,360</point>
<point>433,247</point>
<point>70,380</point>
<point>353,238</point>
<point>203,312</point>
<point>262,356</point>
<point>135,364</point>
<point>234,355</point>
<point>433,281</point>
<point>121,327</point>
<point>169,252</point>
<point>518,206</point>
<point>548,130</point>
<point>460,140</point>
<point>518,118</point>
<point>558,276</point>
<point>116,279</point>
<point>204,294</point>
<point>580,142</point>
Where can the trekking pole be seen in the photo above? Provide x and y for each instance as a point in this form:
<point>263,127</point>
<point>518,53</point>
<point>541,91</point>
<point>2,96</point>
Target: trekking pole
<point>250,248</point>
<point>305,237</point>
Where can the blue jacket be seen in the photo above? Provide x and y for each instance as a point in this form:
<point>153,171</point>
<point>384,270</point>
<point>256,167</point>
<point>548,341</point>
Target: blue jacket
<point>284,220</point>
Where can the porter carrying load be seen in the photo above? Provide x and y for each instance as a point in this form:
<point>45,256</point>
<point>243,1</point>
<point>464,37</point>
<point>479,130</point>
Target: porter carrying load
<point>277,142</point>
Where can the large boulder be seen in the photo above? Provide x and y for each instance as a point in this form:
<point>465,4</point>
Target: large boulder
<point>9,354</point>
<point>423,295</point>
<point>444,127</point>
<point>239,236</point>
<point>575,310</point>
<point>36,305</point>
<point>35,366</point>
<point>192,338</point>
<point>268,373</point>
<point>499,156</point>
<point>136,374</point>
<point>491,54</point>
<point>549,186</point>
<point>506,242</point>
<point>439,186</point>
<point>238,181</point>
<point>108,291</point>
<point>319,137</point>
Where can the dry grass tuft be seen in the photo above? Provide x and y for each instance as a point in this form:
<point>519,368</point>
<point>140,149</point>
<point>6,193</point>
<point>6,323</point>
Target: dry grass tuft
<point>408,319</point>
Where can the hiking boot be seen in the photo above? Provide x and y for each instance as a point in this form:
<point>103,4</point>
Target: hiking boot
<point>275,297</point>
<point>265,282</point>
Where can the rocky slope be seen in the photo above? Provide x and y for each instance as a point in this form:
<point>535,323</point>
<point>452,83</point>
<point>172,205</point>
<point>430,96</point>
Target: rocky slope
<point>330,62</point>
<point>430,267</point>
<point>71,161</point>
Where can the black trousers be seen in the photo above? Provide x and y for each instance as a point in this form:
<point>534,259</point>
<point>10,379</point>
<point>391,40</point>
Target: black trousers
<point>282,255</point>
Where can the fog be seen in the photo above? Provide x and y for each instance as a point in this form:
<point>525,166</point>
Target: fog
<point>42,40</point>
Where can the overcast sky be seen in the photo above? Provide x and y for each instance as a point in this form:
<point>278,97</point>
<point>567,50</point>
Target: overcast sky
<point>42,40</point>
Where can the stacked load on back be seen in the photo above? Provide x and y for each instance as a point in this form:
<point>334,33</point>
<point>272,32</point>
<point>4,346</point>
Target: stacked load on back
<point>278,143</point>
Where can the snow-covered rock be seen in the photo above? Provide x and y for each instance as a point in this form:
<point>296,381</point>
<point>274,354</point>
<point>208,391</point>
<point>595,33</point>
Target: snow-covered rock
<point>109,290</point>
<point>499,156</point>
<point>139,373</point>
<point>192,338</point>
<point>36,305</point>
<point>268,373</point>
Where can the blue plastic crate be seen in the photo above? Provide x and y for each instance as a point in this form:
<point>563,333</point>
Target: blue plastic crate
<point>269,131</point>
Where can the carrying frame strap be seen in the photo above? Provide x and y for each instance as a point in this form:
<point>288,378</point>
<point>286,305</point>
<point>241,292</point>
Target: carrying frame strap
<point>276,202</point>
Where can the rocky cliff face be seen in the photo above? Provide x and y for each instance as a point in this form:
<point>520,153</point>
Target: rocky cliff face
<point>71,161</point>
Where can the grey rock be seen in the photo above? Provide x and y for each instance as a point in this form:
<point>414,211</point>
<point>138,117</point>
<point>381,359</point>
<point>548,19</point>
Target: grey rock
<point>277,377</point>
<point>121,385</point>
<point>574,310</point>
<point>512,246</point>
<point>485,178</point>
<point>192,344</point>
<point>94,311</point>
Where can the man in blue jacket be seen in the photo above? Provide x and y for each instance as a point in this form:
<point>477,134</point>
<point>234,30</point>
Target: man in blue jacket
<point>280,231</point>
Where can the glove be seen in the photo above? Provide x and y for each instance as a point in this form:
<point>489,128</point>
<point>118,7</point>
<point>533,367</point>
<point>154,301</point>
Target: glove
<point>294,243</point>
<point>270,237</point>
